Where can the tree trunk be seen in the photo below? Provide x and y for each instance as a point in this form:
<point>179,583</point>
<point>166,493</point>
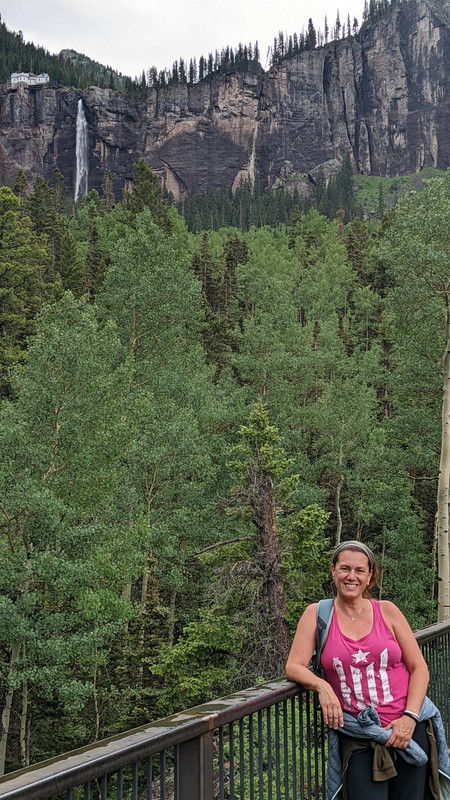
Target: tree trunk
<point>338,512</point>
<point>338,491</point>
<point>171,620</point>
<point>265,520</point>
<point>381,579</point>
<point>6,713</point>
<point>24,754</point>
<point>443,490</point>
<point>434,560</point>
<point>127,595</point>
<point>95,696</point>
<point>143,606</point>
<point>359,528</point>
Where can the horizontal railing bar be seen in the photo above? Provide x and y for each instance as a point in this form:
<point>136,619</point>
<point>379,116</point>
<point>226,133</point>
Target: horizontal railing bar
<point>424,635</point>
<point>86,763</point>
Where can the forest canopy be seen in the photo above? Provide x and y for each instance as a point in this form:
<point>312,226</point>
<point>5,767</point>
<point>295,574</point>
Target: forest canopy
<point>164,393</point>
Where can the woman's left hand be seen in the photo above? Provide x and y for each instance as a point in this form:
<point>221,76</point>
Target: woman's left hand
<point>402,731</point>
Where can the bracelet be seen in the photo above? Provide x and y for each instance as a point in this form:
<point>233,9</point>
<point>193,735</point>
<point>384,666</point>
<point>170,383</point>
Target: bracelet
<point>411,714</point>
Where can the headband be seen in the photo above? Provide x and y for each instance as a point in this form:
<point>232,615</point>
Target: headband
<point>352,544</point>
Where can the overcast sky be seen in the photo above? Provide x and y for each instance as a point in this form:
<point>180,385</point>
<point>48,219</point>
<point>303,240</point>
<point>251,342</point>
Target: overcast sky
<point>132,35</point>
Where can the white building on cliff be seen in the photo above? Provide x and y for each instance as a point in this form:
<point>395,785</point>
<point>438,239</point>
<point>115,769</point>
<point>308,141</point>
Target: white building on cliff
<point>28,79</point>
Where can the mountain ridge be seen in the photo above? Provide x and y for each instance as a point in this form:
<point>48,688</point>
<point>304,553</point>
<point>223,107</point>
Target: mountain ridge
<point>381,97</point>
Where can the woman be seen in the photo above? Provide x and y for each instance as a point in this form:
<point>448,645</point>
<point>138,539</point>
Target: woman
<point>371,660</point>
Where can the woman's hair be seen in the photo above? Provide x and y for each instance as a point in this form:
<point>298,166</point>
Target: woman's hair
<point>356,546</point>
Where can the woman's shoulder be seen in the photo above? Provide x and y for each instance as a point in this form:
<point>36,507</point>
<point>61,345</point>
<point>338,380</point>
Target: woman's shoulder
<point>324,606</point>
<point>404,634</point>
<point>311,610</point>
<point>309,616</point>
<point>389,609</point>
<point>393,617</point>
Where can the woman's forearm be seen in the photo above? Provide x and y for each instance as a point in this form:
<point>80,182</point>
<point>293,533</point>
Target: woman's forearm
<point>304,676</point>
<point>329,703</point>
<point>417,689</point>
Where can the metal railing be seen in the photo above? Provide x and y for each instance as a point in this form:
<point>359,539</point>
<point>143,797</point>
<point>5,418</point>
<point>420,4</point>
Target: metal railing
<point>434,642</point>
<point>264,743</point>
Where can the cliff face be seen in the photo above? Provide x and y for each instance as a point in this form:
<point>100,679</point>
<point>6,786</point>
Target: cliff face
<point>383,99</point>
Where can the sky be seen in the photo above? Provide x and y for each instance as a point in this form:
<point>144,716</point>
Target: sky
<point>132,35</point>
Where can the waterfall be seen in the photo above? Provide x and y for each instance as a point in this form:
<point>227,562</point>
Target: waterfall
<point>81,180</point>
<point>252,160</point>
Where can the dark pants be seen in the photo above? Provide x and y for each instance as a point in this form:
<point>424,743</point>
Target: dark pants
<point>409,783</point>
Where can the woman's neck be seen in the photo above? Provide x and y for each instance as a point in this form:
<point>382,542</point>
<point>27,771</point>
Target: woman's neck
<point>350,607</point>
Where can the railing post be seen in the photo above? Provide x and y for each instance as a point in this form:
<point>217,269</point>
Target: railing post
<point>196,768</point>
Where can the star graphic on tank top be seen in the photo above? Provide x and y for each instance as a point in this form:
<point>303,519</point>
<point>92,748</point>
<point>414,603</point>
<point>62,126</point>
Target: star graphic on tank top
<point>360,657</point>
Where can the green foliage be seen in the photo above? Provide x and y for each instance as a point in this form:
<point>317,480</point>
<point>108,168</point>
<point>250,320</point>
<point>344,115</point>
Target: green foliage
<point>183,379</point>
<point>369,188</point>
<point>361,196</point>
<point>26,282</point>
<point>416,253</point>
<point>247,206</point>
<point>229,60</point>
<point>63,567</point>
<point>45,206</point>
<point>339,194</point>
<point>259,449</point>
<point>197,667</point>
<point>147,193</point>
<point>218,278</point>
<point>21,187</point>
<point>305,561</point>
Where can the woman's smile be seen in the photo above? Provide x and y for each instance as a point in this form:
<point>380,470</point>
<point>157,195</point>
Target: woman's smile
<point>351,574</point>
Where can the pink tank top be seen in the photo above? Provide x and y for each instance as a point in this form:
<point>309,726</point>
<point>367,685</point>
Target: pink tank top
<point>367,672</point>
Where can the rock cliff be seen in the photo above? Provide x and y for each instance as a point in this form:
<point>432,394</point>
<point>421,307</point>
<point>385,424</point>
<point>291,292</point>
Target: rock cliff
<point>384,99</point>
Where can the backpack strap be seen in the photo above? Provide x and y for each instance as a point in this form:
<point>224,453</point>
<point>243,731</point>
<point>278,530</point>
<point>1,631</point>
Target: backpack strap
<point>324,614</point>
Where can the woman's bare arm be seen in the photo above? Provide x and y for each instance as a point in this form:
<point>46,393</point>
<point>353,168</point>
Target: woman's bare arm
<point>411,654</point>
<point>403,728</point>
<point>297,668</point>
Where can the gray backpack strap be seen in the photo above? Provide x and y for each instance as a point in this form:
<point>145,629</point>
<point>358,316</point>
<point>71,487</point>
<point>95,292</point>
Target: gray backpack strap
<point>324,614</point>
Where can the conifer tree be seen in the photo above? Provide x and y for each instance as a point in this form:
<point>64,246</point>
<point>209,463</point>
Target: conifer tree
<point>95,267</point>
<point>381,203</point>
<point>59,191</point>
<point>260,465</point>
<point>23,264</point>
<point>68,261</point>
<point>147,193</point>
<point>108,191</point>
<point>21,188</point>
<point>311,37</point>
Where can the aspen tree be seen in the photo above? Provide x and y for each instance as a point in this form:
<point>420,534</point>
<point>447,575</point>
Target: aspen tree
<point>417,251</point>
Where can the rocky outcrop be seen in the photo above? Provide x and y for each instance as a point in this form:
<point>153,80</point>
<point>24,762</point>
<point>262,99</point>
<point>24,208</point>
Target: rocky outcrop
<point>384,99</point>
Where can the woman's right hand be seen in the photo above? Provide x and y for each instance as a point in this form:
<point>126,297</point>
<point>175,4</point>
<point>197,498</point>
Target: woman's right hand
<point>297,668</point>
<point>331,708</point>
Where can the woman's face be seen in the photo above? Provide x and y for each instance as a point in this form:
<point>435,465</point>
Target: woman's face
<point>351,574</point>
